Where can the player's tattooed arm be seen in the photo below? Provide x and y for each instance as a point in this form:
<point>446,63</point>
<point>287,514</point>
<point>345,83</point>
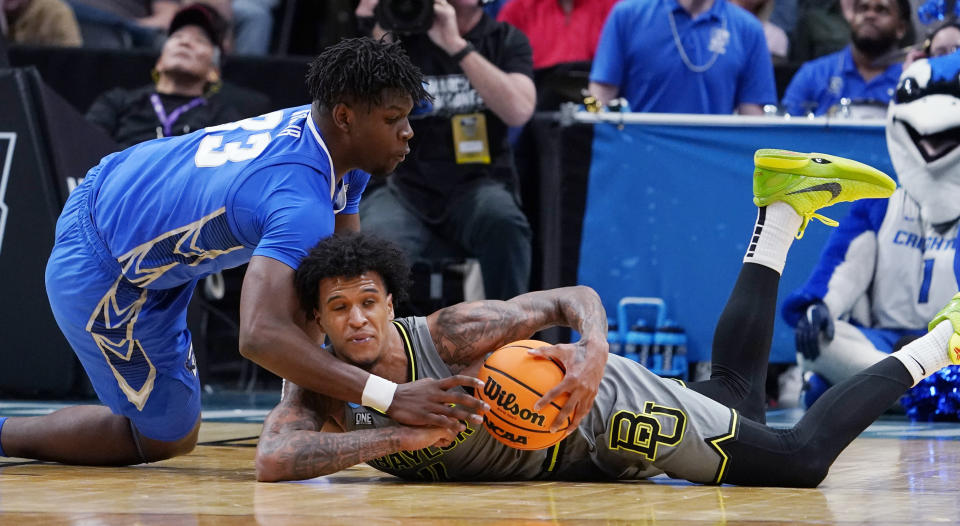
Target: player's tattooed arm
<point>465,333</point>
<point>294,444</point>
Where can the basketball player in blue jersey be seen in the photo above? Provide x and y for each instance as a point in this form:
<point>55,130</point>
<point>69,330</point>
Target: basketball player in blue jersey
<point>640,425</point>
<point>148,222</point>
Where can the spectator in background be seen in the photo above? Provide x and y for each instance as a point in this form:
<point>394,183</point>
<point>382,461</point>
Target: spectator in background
<point>942,40</point>
<point>161,14</point>
<point>458,184</point>
<point>225,9</point>
<point>777,41</point>
<point>683,56</point>
<point>253,23</point>
<point>184,97</point>
<point>559,30</point>
<point>138,23</point>
<point>143,22</point>
<point>493,7</point>
<point>785,15</point>
<point>823,28</point>
<point>157,14</point>
<point>862,72</point>
<point>39,22</point>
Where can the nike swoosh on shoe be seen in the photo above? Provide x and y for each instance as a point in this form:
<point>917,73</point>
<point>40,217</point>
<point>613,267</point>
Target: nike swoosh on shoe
<point>833,188</point>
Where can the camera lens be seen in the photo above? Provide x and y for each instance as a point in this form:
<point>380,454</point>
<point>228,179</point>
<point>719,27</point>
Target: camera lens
<point>405,16</point>
<point>407,10</point>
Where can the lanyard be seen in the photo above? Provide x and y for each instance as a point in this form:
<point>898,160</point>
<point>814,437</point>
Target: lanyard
<point>168,120</point>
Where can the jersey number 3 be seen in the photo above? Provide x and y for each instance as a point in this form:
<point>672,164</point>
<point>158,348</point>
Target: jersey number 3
<point>212,152</point>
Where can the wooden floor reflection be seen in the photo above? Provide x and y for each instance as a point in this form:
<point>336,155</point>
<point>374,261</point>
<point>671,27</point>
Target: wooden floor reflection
<point>877,481</point>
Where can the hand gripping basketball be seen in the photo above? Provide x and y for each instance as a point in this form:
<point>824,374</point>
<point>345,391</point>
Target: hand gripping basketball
<point>514,380</point>
<point>583,363</point>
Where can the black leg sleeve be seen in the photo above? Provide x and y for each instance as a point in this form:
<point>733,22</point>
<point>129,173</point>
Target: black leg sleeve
<point>801,456</point>
<point>741,343</point>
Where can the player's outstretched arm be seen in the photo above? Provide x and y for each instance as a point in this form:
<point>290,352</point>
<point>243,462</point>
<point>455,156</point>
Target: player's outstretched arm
<point>272,335</point>
<point>465,333</point>
<point>293,445</point>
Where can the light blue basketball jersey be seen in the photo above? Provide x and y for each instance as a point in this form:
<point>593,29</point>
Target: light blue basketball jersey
<point>147,222</point>
<point>175,209</point>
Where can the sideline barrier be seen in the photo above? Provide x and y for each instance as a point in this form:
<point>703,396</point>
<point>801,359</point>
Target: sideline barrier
<point>669,209</point>
<point>45,147</point>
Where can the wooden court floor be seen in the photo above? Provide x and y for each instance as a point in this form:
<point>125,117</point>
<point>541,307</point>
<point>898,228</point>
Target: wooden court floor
<point>897,473</point>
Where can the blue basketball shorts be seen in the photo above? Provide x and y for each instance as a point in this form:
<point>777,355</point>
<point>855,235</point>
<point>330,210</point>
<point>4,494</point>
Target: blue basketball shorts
<point>133,342</point>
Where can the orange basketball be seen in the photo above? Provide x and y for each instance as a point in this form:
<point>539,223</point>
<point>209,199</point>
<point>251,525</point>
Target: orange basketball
<point>513,382</point>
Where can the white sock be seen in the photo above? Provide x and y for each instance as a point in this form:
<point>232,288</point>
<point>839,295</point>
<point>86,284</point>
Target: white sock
<point>773,233</point>
<point>928,354</point>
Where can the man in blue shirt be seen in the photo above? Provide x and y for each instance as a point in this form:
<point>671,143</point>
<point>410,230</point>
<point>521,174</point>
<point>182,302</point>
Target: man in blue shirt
<point>683,56</point>
<point>148,222</point>
<point>861,72</point>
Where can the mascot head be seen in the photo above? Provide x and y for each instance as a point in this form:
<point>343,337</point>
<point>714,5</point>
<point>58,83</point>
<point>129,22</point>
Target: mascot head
<point>923,135</point>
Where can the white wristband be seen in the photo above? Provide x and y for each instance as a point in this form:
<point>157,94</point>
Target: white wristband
<point>378,393</point>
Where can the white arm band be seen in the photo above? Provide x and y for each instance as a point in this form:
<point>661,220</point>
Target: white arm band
<point>378,393</point>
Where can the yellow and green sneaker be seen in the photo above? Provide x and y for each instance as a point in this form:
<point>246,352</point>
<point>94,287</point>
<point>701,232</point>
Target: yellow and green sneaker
<point>950,312</point>
<point>810,181</point>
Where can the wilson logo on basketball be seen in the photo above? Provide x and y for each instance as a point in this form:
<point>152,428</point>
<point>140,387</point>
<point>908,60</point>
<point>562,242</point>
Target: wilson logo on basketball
<point>508,401</point>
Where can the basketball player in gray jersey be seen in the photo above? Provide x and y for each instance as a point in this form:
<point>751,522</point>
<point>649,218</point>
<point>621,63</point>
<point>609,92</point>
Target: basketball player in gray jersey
<point>639,425</point>
<point>475,455</point>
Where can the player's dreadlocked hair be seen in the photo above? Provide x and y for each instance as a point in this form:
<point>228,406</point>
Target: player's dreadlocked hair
<point>349,255</point>
<point>358,70</point>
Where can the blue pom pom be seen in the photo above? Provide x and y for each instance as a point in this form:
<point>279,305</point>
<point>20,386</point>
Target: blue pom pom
<point>936,398</point>
<point>936,10</point>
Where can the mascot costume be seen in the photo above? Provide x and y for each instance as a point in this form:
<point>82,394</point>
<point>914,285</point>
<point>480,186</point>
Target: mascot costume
<point>892,262</point>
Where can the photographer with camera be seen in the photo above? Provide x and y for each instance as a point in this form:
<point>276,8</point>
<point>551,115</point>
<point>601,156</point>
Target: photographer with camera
<point>458,185</point>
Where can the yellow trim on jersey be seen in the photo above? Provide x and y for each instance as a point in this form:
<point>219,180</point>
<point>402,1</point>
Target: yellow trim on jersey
<point>553,454</point>
<point>412,365</point>
<point>715,444</point>
<point>409,347</point>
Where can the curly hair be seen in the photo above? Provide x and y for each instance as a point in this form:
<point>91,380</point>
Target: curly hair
<point>359,70</point>
<point>350,255</point>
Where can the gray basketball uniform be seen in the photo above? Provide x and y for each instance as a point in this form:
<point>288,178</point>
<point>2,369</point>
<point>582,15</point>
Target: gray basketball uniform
<point>641,425</point>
